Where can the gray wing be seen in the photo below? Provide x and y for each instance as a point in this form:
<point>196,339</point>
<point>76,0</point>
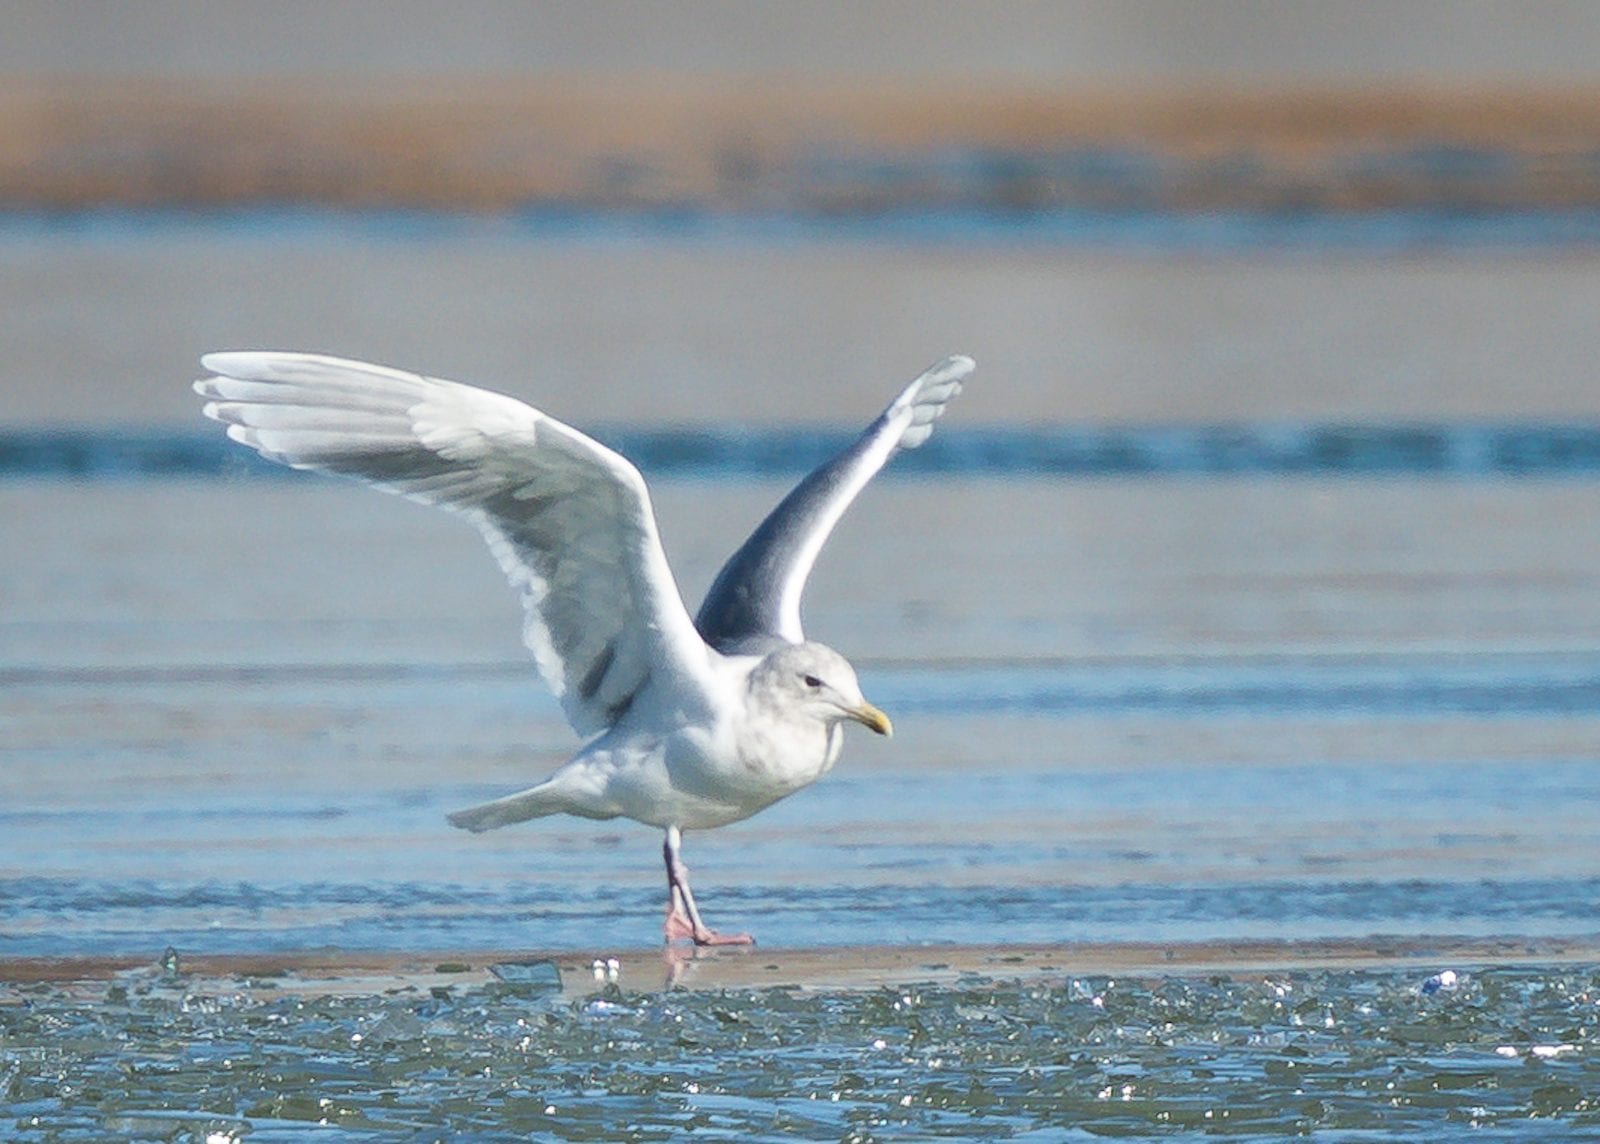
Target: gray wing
<point>569,520</point>
<point>756,597</point>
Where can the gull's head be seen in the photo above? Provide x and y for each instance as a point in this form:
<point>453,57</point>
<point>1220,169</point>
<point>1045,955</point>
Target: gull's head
<point>818,680</point>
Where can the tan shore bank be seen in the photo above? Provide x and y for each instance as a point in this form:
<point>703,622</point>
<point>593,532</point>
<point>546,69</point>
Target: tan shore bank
<point>790,142</point>
<point>357,973</point>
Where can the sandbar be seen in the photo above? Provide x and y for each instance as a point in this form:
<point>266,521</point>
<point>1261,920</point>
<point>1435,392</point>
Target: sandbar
<point>371,973</point>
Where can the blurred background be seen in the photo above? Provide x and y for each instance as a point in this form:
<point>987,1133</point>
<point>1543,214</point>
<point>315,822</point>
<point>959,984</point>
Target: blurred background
<point>592,162</point>
<point>1259,559</point>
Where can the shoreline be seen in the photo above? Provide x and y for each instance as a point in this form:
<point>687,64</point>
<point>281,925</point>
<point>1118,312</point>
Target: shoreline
<point>847,968</point>
<point>790,143</point>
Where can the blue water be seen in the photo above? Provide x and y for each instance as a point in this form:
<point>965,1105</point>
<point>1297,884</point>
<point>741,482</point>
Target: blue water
<point>734,452</point>
<point>197,842</point>
<point>1506,1054</point>
<point>1340,683</point>
<point>1128,229</point>
<point>1388,728</point>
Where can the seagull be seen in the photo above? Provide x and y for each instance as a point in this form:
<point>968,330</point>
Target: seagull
<point>689,723</point>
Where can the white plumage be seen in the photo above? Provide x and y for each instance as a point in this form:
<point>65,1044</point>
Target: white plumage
<point>696,723</point>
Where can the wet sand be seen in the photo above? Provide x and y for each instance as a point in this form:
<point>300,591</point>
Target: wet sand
<point>361,973</point>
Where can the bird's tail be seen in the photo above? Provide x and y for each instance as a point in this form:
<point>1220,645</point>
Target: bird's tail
<point>534,802</point>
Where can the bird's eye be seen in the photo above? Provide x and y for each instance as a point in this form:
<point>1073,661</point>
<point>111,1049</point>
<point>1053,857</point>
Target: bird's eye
<point>812,681</point>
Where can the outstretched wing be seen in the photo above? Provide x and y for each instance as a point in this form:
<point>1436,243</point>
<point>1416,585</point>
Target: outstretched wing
<point>569,520</point>
<point>756,596</point>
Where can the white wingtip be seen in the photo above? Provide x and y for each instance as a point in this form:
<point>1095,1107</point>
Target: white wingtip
<point>248,365</point>
<point>929,394</point>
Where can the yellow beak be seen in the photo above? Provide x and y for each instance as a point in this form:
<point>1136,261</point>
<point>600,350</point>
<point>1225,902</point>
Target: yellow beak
<point>869,716</point>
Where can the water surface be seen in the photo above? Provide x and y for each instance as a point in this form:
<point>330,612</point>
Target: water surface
<point>1122,715</point>
<point>1500,1055</point>
<point>1251,595</point>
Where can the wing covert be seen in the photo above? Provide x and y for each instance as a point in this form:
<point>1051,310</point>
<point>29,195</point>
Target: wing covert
<point>569,521</point>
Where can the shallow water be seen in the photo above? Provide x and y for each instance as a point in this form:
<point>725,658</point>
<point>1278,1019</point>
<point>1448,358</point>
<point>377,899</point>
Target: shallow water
<point>1122,715</point>
<point>1503,1054</point>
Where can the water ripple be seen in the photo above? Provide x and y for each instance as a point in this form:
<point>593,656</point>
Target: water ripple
<point>1462,450</point>
<point>1505,1054</point>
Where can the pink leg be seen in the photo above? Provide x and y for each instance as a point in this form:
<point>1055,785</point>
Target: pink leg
<point>683,917</point>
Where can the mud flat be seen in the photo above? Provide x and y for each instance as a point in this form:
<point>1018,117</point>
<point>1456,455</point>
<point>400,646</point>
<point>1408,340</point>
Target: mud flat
<point>347,973</point>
